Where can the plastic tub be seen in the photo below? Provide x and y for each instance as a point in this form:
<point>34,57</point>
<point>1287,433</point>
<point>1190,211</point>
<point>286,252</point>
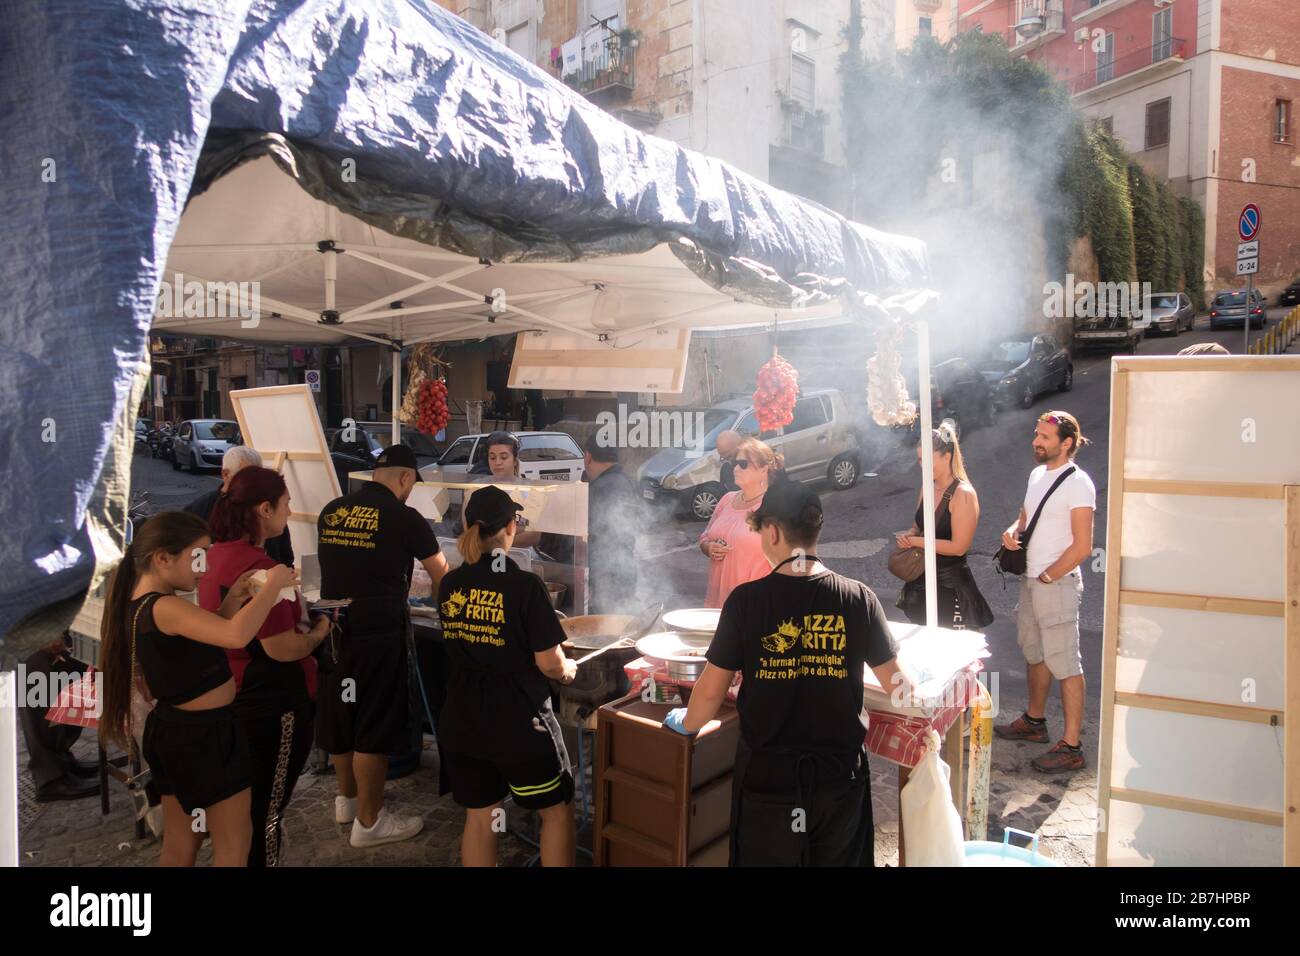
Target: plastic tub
<point>988,853</point>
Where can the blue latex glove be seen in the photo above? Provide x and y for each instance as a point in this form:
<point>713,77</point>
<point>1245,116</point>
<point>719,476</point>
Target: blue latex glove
<point>676,720</point>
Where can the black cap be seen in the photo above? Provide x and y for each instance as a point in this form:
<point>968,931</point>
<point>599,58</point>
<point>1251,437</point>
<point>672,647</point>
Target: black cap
<point>491,507</point>
<point>786,500</point>
<point>397,456</point>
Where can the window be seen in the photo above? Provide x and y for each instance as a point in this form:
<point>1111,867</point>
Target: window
<point>1106,60</point>
<point>1282,121</point>
<point>519,41</point>
<point>924,26</point>
<point>1107,123</point>
<point>1162,34</point>
<point>458,454</point>
<point>803,80</point>
<point>748,424</point>
<point>1157,131</point>
<point>548,448</point>
<point>808,413</point>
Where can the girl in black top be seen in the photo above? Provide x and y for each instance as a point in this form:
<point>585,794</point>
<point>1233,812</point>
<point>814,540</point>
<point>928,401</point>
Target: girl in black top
<point>176,654</point>
<point>960,603</point>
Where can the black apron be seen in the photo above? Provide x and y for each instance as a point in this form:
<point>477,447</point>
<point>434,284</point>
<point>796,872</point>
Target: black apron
<point>780,796</point>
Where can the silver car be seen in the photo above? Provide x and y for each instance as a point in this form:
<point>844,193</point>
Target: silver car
<point>543,456</point>
<point>1169,312</point>
<point>202,442</point>
<point>819,443</point>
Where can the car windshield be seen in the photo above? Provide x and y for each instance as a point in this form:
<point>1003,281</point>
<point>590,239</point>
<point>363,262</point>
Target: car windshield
<point>1010,353</point>
<point>548,448</point>
<point>215,431</point>
<point>1162,302</point>
<point>716,421</point>
<point>1230,298</point>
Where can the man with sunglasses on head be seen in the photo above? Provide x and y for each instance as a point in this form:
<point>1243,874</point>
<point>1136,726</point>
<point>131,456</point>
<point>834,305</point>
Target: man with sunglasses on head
<point>1047,618</point>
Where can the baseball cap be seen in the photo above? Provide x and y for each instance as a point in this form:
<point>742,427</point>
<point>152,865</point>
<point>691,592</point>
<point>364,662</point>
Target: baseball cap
<point>491,507</point>
<point>785,501</point>
<point>397,456</point>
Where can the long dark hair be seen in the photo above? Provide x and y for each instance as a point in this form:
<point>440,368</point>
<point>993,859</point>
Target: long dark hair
<point>235,516</point>
<point>169,531</point>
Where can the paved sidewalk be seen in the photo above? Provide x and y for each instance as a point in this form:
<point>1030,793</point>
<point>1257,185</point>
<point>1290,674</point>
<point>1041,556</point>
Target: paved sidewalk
<point>1061,809</point>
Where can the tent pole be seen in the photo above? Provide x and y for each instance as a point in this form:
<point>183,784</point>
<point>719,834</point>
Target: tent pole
<point>396,434</point>
<point>927,471</point>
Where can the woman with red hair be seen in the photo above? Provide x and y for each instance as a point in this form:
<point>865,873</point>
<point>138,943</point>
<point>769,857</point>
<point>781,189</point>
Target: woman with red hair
<point>275,673</point>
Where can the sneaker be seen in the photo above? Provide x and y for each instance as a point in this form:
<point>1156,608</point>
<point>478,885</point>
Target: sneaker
<point>388,828</point>
<point>345,809</point>
<point>1059,758</point>
<point>1022,729</point>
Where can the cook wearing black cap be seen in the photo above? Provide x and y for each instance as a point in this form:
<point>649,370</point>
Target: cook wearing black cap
<point>800,638</point>
<point>368,543</point>
<point>497,733</point>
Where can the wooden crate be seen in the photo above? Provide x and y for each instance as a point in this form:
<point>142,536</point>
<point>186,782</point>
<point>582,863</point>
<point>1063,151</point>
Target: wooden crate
<point>662,799</point>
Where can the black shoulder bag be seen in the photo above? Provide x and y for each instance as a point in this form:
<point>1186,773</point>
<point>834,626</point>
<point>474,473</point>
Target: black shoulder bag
<point>1014,562</point>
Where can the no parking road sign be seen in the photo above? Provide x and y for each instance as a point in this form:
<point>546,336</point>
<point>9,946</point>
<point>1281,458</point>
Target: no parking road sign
<point>1248,222</point>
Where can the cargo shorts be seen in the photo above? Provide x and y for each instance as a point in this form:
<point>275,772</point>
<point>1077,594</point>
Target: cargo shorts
<point>1047,623</point>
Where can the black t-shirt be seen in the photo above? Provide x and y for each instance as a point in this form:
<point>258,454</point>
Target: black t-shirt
<point>802,644</point>
<point>494,620</point>
<point>367,543</point>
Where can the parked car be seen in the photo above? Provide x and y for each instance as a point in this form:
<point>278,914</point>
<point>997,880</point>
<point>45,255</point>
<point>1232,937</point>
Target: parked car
<point>1169,312</point>
<point>1115,332</point>
<point>957,391</point>
<point>1229,308</point>
<point>543,456</point>
<point>1290,295</point>
<point>201,442</point>
<point>1020,369</point>
<point>821,442</point>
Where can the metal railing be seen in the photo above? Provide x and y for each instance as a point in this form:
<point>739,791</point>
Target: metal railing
<point>614,67</point>
<point>804,130</point>
<point>1166,49</point>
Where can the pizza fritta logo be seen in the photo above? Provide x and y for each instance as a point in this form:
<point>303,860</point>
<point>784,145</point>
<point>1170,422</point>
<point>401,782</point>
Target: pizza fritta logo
<point>337,516</point>
<point>786,637</point>
<point>454,604</point>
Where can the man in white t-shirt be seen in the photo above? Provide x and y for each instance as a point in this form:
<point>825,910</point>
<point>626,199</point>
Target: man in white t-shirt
<point>1047,618</point>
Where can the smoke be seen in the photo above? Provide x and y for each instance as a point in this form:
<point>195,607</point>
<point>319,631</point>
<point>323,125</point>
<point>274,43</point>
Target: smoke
<point>964,146</point>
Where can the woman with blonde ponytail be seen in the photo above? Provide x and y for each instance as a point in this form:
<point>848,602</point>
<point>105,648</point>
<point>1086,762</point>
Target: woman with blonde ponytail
<point>957,508</point>
<point>175,652</point>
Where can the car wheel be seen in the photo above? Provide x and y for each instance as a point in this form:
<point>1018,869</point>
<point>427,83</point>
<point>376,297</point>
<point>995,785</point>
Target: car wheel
<point>843,472</point>
<point>1027,396</point>
<point>703,500</point>
<point>1067,382</point>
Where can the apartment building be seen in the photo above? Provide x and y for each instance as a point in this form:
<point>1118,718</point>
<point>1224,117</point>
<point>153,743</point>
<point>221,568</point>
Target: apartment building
<point>1200,91</point>
<point>932,18</point>
<point>752,82</point>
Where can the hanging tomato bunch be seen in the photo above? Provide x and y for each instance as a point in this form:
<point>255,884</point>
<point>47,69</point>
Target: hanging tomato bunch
<point>432,410</point>
<point>778,388</point>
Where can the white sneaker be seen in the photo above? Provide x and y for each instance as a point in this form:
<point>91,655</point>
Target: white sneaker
<point>388,828</point>
<point>345,809</point>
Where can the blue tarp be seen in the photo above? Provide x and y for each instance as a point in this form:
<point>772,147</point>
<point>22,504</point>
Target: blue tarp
<point>113,113</point>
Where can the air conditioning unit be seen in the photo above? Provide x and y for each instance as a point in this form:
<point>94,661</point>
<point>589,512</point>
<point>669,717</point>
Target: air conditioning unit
<point>1081,35</point>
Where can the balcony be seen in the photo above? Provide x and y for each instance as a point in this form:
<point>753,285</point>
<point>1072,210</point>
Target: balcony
<point>1038,22</point>
<point>609,77</point>
<point>927,6</point>
<point>1158,58</point>
<point>1086,11</point>
<point>803,129</point>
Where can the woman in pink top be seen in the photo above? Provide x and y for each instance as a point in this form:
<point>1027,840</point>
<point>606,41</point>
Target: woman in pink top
<point>734,551</point>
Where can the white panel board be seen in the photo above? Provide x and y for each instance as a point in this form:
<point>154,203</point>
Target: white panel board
<point>558,507</point>
<point>1185,544</point>
<point>1204,758</point>
<point>1213,426</point>
<point>8,769</point>
<point>653,361</point>
<point>1201,655</point>
<point>1138,835</point>
<point>281,420</point>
